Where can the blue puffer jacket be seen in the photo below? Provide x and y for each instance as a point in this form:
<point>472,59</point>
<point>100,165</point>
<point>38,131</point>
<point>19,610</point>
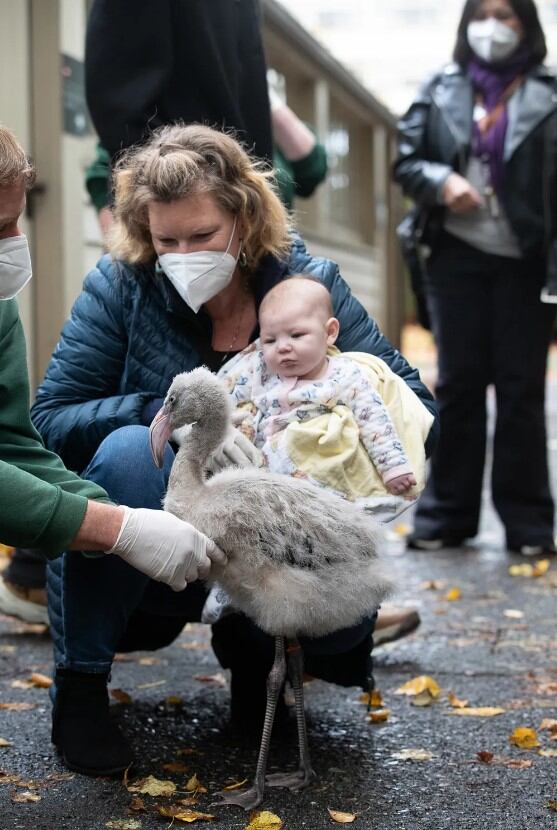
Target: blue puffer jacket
<point>129,333</point>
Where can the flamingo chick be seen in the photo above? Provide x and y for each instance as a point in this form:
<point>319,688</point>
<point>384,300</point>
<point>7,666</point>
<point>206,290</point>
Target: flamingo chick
<point>301,561</point>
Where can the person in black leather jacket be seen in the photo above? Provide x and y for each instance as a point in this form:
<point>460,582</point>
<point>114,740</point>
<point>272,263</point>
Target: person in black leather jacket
<point>477,153</point>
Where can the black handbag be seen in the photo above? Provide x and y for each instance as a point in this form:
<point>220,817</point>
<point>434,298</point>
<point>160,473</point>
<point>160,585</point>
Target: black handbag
<point>410,233</point>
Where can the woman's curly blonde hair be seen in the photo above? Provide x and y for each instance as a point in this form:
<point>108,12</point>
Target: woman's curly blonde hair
<point>185,160</point>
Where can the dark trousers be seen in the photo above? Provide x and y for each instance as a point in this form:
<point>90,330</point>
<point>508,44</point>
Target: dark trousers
<point>490,328</point>
<point>27,568</point>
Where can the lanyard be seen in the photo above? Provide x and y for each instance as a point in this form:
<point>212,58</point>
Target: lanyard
<point>489,120</point>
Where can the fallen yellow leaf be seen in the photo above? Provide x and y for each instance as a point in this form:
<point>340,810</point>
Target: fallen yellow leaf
<point>121,696</point>
<point>18,707</point>
<point>341,818</point>
<point>41,681</point>
<point>374,699</point>
<point>455,702</point>
<point>173,700</point>
<point>425,698</point>
<point>524,738</point>
<point>477,712</point>
<point>548,753</point>
<point>194,786</point>
<point>25,797</point>
<point>412,755</point>
<point>380,715</point>
<point>539,568</point>
<point>236,785</point>
<point>453,594</point>
<point>264,821</point>
<point>549,723</point>
<point>4,743</point>
<point>124,824</point>
<point>418,685</point>
<point>187,816</point>
<point>152,786</point>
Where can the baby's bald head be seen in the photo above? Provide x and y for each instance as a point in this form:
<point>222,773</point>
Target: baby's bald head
<point>302,292</point>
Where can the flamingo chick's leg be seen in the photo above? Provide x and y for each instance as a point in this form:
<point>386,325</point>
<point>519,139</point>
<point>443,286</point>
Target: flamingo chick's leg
<point>304,775</point>
<point>275,681</point>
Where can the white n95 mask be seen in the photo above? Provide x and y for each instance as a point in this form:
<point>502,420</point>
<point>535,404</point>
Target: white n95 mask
<point>15,266</point>
<point>201,275</point>
<point>491,40</point>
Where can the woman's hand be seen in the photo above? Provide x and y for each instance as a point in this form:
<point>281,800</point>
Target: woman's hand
<point>459,195</point>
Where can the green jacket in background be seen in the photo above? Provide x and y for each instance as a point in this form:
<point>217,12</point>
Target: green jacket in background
<point>42,504</point>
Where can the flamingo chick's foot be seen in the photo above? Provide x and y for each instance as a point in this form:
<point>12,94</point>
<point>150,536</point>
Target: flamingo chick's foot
<point>248,800</point>
<point>292,780</point>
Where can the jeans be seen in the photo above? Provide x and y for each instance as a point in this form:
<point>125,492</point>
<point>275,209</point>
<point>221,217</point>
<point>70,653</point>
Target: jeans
<point>99,604</point>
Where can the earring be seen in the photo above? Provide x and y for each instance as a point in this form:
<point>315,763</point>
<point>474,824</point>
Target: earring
<point>243,260</point>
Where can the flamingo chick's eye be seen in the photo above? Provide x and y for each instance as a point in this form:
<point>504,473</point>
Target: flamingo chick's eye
<point>171,399</point>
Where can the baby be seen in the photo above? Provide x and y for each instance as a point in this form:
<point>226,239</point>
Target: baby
<point>311,412</point>
<point>288,379</point>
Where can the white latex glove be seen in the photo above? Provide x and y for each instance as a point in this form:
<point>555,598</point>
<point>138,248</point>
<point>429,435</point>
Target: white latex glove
<point>235,451</point>
<point>165,548</point>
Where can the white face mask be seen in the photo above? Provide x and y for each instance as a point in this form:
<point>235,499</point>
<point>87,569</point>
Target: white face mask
<point>201,275</point>
<point>491,40</point>
<point>15,266</point>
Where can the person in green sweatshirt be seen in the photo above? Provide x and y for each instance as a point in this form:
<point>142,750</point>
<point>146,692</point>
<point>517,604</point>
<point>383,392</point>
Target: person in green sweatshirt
<point>44,505</point>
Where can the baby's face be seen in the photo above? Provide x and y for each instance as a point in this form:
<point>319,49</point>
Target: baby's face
<point>294,338</point>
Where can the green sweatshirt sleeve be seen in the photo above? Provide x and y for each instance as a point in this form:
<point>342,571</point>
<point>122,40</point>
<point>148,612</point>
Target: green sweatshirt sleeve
<point>42,504</point>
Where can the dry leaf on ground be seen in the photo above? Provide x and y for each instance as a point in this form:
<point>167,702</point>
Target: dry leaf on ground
<point>17,707</point>
<point>432,585</point>
<point>539,568</point>
<point>477,711</point>
<point>551,805</point>
<point>4,743</point>
<point>189,751</point>
<point>136,805</point>
<point>41,681</point>
<point>412,755</point>
<point>236,785</point>
<point>549,723</point>
<point>341,818</point>
<point>25,797</point>
<point>182,814</point>
<point>548,753</point>
<point>524,738</point>
<point>152,786</point>
<point>374,699</point>
<point>173,700</point>
<point>194,785</point>
<point>455,702</point>
<point>123,824</point>
<point>120,695</point>
<point>453,594</point>
<point>219,679</point>
<point>418,685</point>
<point>425,698</point>
<point>175,766</point>
<point>264,821</point>
<point>513,614</point>
<point>502,761</point>
<point>380,715</point>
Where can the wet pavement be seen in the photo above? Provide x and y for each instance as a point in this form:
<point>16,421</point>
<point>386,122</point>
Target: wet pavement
<point>494,646</point>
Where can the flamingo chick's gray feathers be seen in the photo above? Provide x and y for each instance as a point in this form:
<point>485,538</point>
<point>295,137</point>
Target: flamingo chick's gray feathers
<point>301,560</point>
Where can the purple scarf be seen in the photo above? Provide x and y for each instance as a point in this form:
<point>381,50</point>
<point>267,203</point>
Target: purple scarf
<point>490,81</point>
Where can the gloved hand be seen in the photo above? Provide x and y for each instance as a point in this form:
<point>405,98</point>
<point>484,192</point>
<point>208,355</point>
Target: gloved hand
<point>165,548</point>
<point>235,451</point>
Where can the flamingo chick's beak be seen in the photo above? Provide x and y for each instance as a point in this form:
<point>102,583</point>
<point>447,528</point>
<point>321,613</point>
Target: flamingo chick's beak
<point>159,434</point>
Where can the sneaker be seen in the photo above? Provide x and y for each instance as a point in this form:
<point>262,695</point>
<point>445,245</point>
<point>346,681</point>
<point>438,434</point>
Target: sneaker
<point>534,550</point>
<point>394,623</point>
<point>27,604</point>
<point>417,543</point>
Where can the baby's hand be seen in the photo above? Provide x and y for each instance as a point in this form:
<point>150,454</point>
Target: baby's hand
<point>401,484</point>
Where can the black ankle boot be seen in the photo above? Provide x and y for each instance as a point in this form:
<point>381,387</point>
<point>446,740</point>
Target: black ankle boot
<point>82,729</point>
